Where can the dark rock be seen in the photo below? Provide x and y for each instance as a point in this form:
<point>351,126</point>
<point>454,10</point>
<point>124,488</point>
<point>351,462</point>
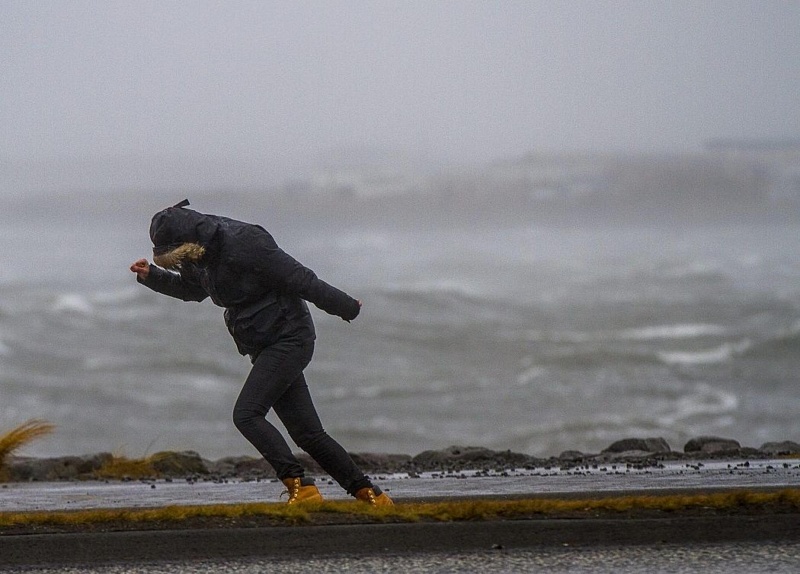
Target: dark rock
<point>246,467</point>
<point>780,448</point>
<point>625,455</point>
<point>168,463</point>
<point>462,457</point>
<point>436,458</point>
<point>226,466</point>
<point>15,469</point>
<point>378,462</point>
<point>258,467</point>
<point>639,444</point>
<point>571,456</point>
<point>711,445</point>
<point>58,468</point>
<point>93,462</point>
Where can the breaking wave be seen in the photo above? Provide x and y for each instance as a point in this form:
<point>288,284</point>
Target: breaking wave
<point>719,354</point>
<point>684,331</point>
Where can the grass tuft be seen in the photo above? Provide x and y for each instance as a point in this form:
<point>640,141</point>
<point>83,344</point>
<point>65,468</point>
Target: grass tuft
<point>119,467</point>
<point>18,437</point>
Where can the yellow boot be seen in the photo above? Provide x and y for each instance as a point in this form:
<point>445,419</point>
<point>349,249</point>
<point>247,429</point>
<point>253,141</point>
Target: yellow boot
<point>299,492</point>
<point>374,497</point>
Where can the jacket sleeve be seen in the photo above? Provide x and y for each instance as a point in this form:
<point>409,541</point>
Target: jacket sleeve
<point>173,284</point>
<point>293,277</point>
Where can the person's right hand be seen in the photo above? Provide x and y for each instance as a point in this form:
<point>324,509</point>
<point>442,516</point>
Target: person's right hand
<point>141,268</point>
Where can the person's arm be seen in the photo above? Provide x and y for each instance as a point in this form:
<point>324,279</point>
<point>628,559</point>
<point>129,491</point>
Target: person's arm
<point>167,282</point>
<point>305,283</point>
<point>293,277</point>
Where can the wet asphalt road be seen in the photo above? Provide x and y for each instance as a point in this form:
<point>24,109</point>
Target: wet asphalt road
<point>728,558</point>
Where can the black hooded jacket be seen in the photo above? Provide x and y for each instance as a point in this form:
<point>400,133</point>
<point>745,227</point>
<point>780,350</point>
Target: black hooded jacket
<point>262,288</point>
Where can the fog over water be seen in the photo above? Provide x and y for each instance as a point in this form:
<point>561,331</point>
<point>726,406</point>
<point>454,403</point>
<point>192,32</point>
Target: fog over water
<point>570,222</point>
<point>224,94</point>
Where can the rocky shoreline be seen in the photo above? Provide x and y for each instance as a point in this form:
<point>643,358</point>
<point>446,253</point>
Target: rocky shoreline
<point>189,465</point>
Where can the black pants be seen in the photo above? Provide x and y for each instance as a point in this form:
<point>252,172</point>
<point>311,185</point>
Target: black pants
<point>276,381</point>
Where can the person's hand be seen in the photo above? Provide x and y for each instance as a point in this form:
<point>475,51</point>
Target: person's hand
<point>141,268</point>
<point>356,315</point>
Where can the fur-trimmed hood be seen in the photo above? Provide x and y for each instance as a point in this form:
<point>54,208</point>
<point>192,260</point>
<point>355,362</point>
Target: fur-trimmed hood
<point>180,234</point>
<point>184,252</point>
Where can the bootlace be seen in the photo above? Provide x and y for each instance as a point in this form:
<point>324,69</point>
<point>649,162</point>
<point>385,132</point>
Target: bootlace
<point>292,491</point>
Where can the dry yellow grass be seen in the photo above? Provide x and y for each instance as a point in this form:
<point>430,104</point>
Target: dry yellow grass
<point>152,466</point>
<point>494,509</point>
<point>788,500</point>
<point>123,467</point>
<point>283,513</point>
<point>18,437</point>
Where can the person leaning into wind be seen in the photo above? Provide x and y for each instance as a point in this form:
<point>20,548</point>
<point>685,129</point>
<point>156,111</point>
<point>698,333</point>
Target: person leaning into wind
<point>264,292</point>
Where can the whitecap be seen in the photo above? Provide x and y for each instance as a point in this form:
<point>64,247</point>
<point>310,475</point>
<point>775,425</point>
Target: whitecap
<point>111,297</point>
<point>704,401</point>
<point>530,374</point>
<point>650,333</point>
<point>72,303</point>
<point>209,383</point>
<point>335,393</point>
<point>380,423</point>
<point>369,392</point>
<point>443,287</point>
<point>679,331</point>
<point>696,269</point>
<point>751,260</point>
<point>103,363</point>
<point>719,354</point>
<point>562,336</point>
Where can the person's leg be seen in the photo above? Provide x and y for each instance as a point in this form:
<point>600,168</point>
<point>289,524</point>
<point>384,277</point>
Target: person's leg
<point>273,372</point>
<point>276,381</point>
<point>296,410</point>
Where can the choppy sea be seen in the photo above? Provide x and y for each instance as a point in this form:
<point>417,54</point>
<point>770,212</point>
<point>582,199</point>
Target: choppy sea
<point>530,337</point>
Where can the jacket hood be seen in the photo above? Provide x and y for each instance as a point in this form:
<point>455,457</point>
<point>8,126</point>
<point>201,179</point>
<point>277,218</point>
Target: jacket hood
<point>174,226</point>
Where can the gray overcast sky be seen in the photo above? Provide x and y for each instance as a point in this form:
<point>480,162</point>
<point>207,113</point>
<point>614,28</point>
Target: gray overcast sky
<point>466,81</point>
